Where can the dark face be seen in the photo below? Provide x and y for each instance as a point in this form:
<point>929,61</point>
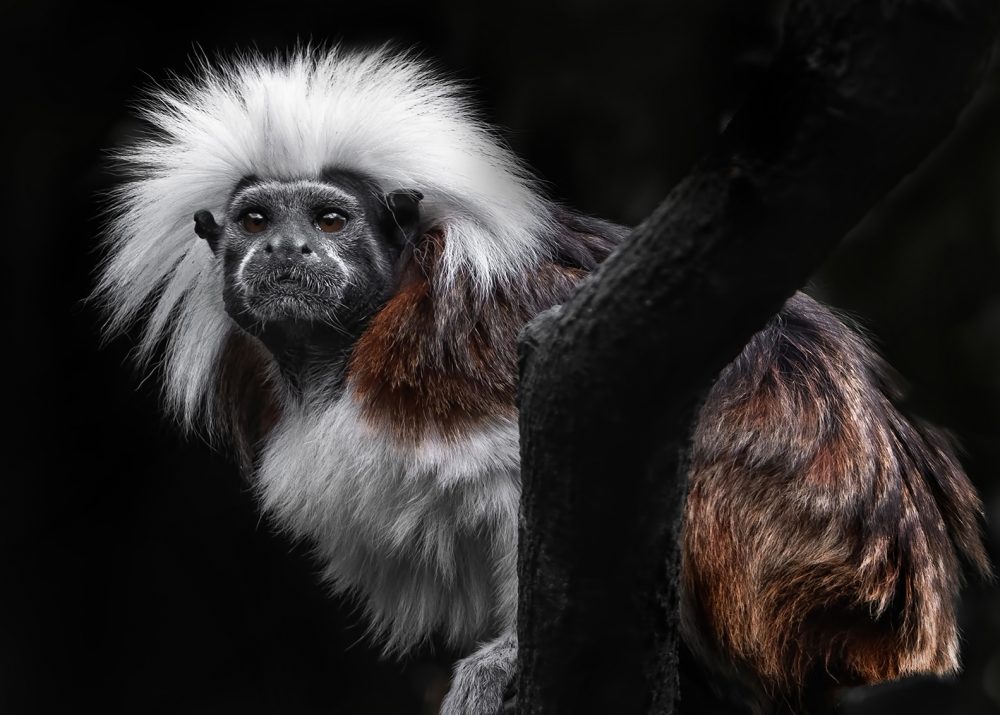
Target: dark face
<point>308,262</point>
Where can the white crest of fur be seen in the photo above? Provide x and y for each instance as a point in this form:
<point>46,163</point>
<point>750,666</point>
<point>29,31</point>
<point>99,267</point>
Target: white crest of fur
<point>381,113</point>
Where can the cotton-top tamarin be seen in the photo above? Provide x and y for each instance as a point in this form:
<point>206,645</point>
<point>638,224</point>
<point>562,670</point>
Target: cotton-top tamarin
<point>334,257</point>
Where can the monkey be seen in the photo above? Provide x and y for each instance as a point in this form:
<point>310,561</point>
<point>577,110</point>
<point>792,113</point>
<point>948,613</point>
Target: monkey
<point>343,318</point>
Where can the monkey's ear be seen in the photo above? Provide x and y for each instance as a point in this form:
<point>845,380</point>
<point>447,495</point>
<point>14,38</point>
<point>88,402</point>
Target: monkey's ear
<point>206,227</point>
<point>404,205</point>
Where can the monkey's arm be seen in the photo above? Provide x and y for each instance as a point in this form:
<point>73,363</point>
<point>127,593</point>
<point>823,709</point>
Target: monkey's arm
<point>824,529</point>
<point>482,679</point>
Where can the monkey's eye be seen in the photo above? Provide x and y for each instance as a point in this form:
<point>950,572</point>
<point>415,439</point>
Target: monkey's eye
<point>331,222</point>
<point>253,222</point>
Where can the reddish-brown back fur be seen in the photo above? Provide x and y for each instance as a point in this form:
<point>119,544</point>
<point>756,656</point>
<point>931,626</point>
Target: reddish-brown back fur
<point>823,529</point>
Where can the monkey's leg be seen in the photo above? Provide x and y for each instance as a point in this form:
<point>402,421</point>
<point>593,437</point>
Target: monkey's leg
<point>481,679</point>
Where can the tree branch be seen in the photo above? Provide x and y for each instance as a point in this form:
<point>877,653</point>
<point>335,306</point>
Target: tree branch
<point>860,93</point>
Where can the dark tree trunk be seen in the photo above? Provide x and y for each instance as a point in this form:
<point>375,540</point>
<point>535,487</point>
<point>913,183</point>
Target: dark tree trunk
<point>858,95</point>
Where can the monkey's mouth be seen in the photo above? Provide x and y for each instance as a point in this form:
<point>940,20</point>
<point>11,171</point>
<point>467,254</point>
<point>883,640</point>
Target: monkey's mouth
<point>291,295</point>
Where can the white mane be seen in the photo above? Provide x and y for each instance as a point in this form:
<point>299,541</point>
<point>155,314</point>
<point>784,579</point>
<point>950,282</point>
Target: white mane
<point>378,112</point>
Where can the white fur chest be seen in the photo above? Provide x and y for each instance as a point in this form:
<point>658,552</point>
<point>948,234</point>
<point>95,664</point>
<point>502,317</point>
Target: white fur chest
<point>425,535</point>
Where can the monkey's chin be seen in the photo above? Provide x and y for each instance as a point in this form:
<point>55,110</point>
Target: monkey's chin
<point>279,307</point>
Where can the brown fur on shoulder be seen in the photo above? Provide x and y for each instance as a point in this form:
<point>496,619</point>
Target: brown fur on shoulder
<point>438,359</point>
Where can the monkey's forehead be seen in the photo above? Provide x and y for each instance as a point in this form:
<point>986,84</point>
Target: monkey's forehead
<point>302,192</point>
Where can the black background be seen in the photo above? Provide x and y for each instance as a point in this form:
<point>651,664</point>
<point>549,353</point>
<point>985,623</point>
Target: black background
<point>138,576</point>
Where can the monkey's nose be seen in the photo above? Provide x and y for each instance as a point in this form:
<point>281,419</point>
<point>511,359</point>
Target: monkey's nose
<point>287,248</point>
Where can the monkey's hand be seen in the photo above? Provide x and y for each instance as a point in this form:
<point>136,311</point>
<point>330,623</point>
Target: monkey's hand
<point>481,680</point>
